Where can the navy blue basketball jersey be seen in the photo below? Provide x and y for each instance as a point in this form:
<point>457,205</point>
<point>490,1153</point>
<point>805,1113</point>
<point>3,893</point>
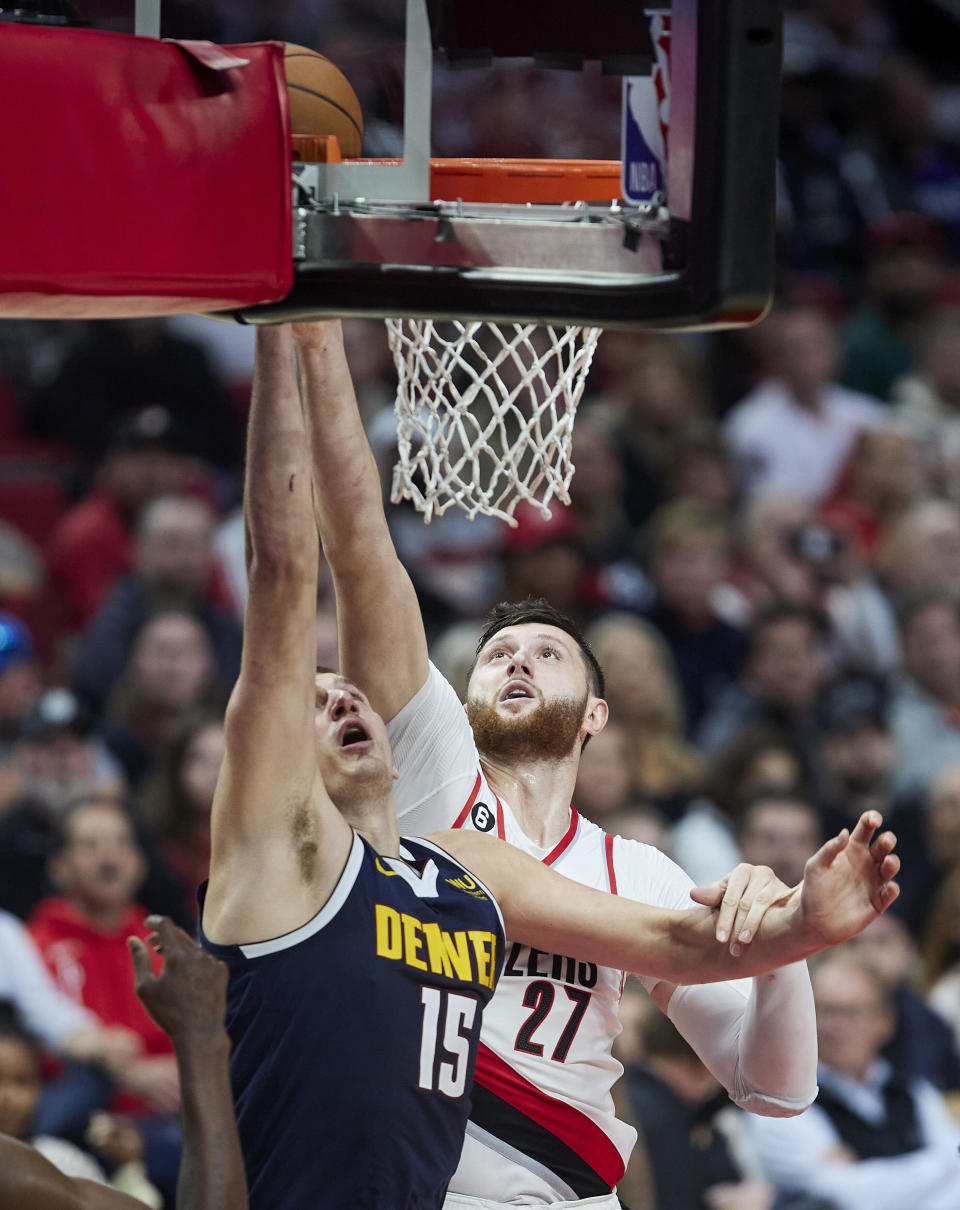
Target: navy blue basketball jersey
<point>355,1036</point>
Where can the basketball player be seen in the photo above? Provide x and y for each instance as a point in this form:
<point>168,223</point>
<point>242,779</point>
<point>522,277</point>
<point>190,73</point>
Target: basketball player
<point>542,1130</point>
<point>359,963</point>
<point>188,1000</point>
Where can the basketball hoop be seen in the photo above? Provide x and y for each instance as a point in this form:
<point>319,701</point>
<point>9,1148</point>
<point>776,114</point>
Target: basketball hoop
<point>485,413</point>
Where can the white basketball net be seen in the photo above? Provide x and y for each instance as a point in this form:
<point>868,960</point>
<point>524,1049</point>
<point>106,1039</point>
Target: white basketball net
<point>485,413</point>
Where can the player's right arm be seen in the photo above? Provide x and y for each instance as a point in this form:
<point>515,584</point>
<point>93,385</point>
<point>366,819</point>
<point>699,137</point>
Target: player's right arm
<point>383,646</point>
<point>269,802</point>
<point>846,885</point>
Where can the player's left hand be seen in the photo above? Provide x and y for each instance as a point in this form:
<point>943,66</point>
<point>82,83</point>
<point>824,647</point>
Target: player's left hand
<point>849,882</point>
<point>189,996</point>
<point>742,897</point>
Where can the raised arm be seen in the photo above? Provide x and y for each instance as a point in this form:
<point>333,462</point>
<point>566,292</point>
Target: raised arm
<point>269,802</point>
<point>382,642</point>
<point>846,885</point>
<point>188,1000</point>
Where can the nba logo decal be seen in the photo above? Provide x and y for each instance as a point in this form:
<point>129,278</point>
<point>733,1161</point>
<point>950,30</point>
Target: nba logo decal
<point>482,817</point>
<point>646,119</point>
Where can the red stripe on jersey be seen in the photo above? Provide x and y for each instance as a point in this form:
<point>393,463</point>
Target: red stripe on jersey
<point>461,818</point>
<point>580,1133</point>
<point>611,872</point>
<point>501,830</point>
<point>552,856</point>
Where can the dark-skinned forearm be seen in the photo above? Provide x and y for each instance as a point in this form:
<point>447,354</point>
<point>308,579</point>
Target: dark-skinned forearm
<point>212,1175</point>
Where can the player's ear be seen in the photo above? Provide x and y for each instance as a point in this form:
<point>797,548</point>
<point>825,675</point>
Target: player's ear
<point>596,716</point>
<point>396,773</point>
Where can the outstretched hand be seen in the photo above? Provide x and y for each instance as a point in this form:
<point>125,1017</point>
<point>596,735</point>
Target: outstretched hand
<point>189,996</point>
<point>742,897</point>
<point>849,881</point>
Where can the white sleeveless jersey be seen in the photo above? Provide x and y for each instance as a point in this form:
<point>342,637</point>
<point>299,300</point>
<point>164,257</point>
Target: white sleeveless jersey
<point>542,1128</point>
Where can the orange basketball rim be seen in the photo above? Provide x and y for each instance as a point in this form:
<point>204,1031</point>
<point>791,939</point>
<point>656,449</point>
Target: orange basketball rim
<point>509,181</point>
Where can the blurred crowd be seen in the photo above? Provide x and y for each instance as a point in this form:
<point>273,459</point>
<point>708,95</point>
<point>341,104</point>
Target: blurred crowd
<point>763,544</point>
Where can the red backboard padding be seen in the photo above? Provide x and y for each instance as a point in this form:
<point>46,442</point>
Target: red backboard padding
<point>140,177</point>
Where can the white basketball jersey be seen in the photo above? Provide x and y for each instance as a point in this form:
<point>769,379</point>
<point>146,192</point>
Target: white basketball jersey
<point>542,1128</point>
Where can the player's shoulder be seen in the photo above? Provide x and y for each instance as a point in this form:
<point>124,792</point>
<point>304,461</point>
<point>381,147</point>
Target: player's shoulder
<point>435,696</point>
<point>646,873</point>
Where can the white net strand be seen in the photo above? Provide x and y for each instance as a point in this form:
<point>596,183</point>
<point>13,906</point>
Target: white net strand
<point>485,413</point>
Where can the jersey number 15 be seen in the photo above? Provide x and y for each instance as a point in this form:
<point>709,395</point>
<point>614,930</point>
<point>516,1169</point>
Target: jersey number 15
<point>447,1022</point>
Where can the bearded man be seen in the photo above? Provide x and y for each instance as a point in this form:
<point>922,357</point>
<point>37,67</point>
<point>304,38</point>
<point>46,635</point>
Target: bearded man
<point>542,1128</point>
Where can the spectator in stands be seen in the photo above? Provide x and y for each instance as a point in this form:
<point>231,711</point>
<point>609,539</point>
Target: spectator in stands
<point>759,759</point>
<point>642,823</point>
<point>19,679</point>
<point>857,752</point>
<point>903,275</point>
<point>701,469</point>
<point>645,702</point>
<point>119,365</point>
<point>925,712</point>
<point>695,1140</point>
<point>885,475</point>
<point>872,1138</point>
<point>659,395</point>
<point>171,671</point>
<point>784,673</point>
<point>928,400</point>
<point>823,205</point>
<point>92,545</point>
<point>941,952</point>
<point>68,1030</point>
<point>57,756</point>
<point>597,492</point>
<point>782,831</point>
<point>850,38</point>
<point>794,432</point>
<point>922,1044</point>
<point>173,565</point>
<point>929,832</point>
<point>95,1053</point>
<point>921,553</point>
<point>20,1089</point>
<point>918,169</point>
<point>686,547</point>
<point>82,932</point>
<point>766,564</point>
<point>542,556</point>
<point>178,796</point>
<point>604,782</point>
<point>862,627</point>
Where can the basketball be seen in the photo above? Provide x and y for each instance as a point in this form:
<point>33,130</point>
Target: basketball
<point>321,99</point>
